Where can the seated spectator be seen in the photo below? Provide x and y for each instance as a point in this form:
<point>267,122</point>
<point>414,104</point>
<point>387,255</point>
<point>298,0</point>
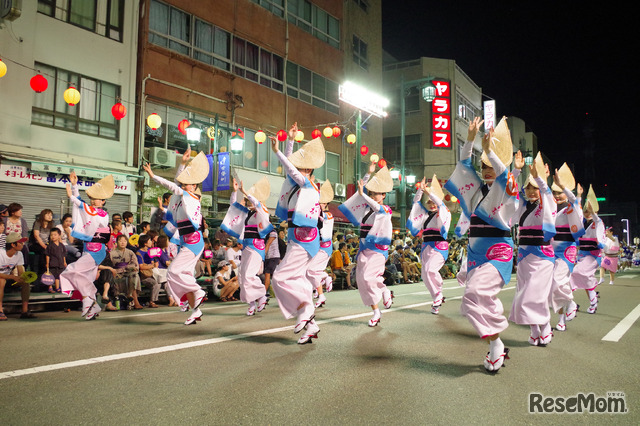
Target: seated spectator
<point>339,240</point>
<point>218,253</point>
<point>205,261</point>
<point>125,264</point>
<point>397,259</point>
<point>221,236</point>
<point>146,264</point>
<point>341,264</point>
<point>144,228</point>
<point>4,212</point>
<point>11,259</point>
<point>116,230</point>
<point>158,220</point>
<point>234,256</point>
<point>14,222</point>
<point>55,258</point>
<point>40,238</point>
<point>3,236</point>
<point>224,285</point>
<point>105,283</point>
<point>67,239</point>
<point>128,227</point>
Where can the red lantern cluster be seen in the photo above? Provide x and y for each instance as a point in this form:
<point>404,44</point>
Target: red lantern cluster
<point>182,126</point>
<point>118,111</point>
<point>38,83</point>
<point>364,150</point>
<point>281,135</point>
<point>316,134</point>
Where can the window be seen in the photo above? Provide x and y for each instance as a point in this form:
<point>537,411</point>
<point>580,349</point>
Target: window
<point>274,6</point>
<point>92,116</point>
<point>411,101</point>
<point>312,88</point>
<point>466,110</point>
<point>103,17</point>
<point>362,4</point>
<point>171,28</point>
<point>413,150</point>
<point>314,20</point>
<point>360,57</point>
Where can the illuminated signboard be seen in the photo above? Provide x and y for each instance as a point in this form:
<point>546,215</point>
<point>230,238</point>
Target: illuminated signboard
<point>441,115</point>
<point>363,99</point>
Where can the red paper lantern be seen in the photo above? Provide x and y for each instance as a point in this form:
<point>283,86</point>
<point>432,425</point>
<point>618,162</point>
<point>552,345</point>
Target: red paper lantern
<point>282,135</point>
<point>182,126</point>
<point>336,132</point>
<point>118,111</point>
<point>364,150</point>
<point>447,197</point>
<point>38,83</point>
<point>382,163</point>
<point>316,134</point>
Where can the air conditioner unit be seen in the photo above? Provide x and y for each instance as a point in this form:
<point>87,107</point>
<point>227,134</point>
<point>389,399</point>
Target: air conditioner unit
<point>340,190</point>
<point>162,157</point>
<point>10,9</point>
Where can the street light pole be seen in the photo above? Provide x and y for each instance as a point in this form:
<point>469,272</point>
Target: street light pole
<point>627,230</point>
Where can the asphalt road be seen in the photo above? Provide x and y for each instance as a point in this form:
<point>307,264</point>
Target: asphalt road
<point>146,367</point>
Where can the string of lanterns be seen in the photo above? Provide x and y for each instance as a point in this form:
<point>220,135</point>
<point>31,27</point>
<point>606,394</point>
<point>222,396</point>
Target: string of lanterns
<point>72,97</point>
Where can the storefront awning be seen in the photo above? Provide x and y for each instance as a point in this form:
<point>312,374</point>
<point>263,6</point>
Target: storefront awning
<point>337,214</point>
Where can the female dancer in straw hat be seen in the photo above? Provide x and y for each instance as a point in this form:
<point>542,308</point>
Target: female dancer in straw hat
<point>248,221</point>
<point>299,205</point>
<point>376,231</point>
<point>591,245</point>
<point>91,225</point>
<point>185,219</point>
<point>490,207</point>
<point>568,230</point>
<point>536,218</point>
<point>434,220</point>
<point>316,270</point>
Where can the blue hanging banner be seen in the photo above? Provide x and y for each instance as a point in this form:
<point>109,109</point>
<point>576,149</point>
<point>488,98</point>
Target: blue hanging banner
<point>224,172</point>
<point>207,184</point>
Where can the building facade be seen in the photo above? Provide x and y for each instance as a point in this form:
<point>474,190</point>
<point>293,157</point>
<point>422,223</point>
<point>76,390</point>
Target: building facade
<point>91,46</point>
<point>247,66</point>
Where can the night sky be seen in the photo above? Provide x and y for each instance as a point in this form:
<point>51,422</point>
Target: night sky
<point>565,69</point>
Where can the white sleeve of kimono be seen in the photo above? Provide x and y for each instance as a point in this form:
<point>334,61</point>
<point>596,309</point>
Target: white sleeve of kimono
<point>291,170</point>
<point>366,178</point>
<point>234,197</point>
<point>496,163</point>
<point>542,184</point>
<point>288,149</point>
<point>516,173</point>
<point>75,198</point>
<point>443,210</point>
<point>570,196</point>
<point>467,150</point>
<point>374,206</point>
<point>174,188</point>
<point>253,200</point>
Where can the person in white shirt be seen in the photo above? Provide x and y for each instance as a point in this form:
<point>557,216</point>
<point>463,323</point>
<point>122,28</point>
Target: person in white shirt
<point>11,259</point>
<point>234,256</point>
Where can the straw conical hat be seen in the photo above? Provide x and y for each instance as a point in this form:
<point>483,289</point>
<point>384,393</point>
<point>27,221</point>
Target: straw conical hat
<point>310,156</point>
<point>326,192</point>
<point>435,187</point>
<point>102,189</point>
<point>538,163</point>
<point>261,190</point>
<point>196,171</point>
<point>566,177</point>
<point>591,199</point>
<point>381,181</point>
<point>501,144</point>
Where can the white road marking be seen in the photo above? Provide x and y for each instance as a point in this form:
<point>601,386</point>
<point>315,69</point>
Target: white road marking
<point>197,343</point>
<point>626,277</point>
<point>623,326</point>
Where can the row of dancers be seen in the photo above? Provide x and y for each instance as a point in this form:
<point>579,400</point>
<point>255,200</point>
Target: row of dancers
<point>550,225</point>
